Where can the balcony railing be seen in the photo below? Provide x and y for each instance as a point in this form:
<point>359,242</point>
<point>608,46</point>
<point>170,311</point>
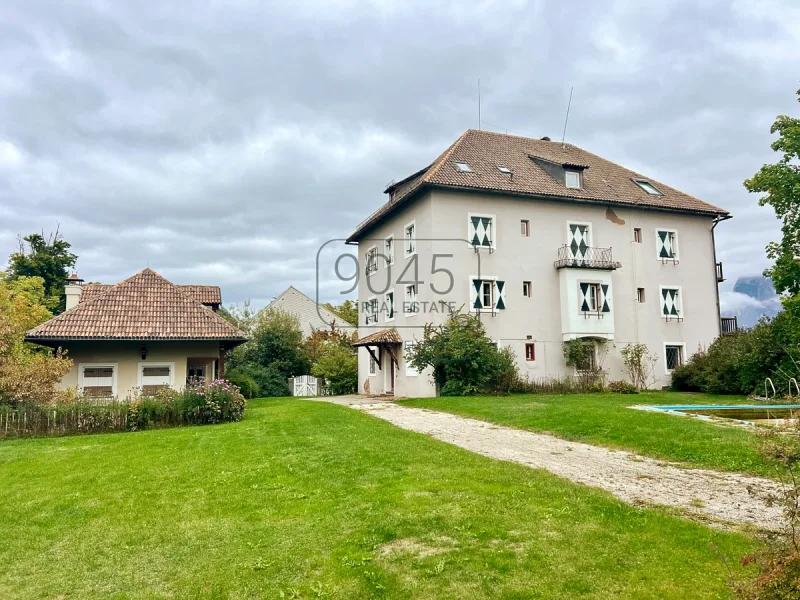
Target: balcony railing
<point>729,325</point>
<point>720,276</point>
<point>586,258</point>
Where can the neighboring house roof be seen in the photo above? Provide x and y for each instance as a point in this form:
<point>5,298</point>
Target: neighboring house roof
<point>205,294</point>
<point>485,151</point>
<point>143,307</point>
<point>312,316</point>
<point>384,336</point>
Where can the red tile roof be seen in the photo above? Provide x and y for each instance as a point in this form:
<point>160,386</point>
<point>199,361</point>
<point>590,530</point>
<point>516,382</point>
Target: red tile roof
<point>204,294</point>
<point>384,336</point>
<point>603,181</point>
<point>143,307</point>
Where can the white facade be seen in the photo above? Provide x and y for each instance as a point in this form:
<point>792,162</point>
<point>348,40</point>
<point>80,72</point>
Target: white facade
<point>662,292</point>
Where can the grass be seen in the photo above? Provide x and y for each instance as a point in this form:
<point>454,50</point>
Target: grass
<point>310,500</point>
<point>607,420</point>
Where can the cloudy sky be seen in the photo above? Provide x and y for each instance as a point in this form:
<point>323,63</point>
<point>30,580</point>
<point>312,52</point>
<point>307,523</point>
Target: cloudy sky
<point>224,142</point>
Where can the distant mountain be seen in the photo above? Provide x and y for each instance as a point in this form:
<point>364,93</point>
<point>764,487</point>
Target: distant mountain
<point>751,298</point>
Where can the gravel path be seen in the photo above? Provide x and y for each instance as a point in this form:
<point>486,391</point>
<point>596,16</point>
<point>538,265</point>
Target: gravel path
<point>720,497</point>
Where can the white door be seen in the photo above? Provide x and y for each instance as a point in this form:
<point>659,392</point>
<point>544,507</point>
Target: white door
<point>305,385</point>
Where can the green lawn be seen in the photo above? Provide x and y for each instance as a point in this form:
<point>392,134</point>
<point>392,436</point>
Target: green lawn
<point>606,420</point>
<point>310,500</point>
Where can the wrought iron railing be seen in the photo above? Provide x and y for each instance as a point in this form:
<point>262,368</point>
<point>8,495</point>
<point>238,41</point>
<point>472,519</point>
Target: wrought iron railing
<point>720,276</point>
<point>729,325</point>
<point>588,257</point>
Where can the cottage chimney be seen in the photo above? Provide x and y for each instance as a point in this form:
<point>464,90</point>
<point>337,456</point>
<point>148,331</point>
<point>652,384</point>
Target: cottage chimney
<point>73,290</point>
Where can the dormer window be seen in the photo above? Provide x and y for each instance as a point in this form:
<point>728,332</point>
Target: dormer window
<point>464,167</point>
<point>648,187</point>
<point>573,179</point>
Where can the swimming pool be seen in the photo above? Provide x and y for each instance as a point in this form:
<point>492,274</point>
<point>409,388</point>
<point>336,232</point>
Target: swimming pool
<point>762,414</point>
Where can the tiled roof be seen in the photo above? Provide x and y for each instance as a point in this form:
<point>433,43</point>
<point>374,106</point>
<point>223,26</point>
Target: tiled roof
<point>384,336</point>
<point>484,151</point>
<point>205,294</point>
<point>143,307</point>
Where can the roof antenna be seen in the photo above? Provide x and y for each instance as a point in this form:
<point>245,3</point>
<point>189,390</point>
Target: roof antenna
<point>563,135</point>
<point>479,103</point>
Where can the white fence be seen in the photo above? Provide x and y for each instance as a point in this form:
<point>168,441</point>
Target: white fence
<point>306,385</point>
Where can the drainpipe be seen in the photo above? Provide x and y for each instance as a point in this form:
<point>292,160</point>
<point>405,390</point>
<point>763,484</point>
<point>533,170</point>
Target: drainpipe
<point>717,220</point>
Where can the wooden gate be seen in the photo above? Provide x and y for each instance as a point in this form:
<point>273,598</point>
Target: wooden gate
<point>305,385</point>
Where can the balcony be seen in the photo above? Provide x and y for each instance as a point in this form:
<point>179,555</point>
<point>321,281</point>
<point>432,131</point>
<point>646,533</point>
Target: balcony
<point>729,325</point>
<point>587,257</point>
<point>720,276</point>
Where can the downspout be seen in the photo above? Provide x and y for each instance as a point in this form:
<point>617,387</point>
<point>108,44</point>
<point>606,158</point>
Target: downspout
<point>717,220</point>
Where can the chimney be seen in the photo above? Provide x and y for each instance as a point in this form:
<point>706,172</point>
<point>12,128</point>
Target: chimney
<point>73,290</point>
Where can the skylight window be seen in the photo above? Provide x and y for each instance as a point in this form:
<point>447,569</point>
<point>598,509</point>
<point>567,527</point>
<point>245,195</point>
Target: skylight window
<point>464,167</point>
<point>648,187</point>
<point>573,179</point>
<point>505,170</point>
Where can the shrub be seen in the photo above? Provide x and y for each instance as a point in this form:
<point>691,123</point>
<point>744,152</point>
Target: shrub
<point>622,387</point>
<point>246,384</point>
<point>338,366</point>
<point>640,364</point>
<point>586,356</point>
<point>270,380</point>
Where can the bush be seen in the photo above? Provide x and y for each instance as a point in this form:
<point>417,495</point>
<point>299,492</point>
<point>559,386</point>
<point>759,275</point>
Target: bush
<point>622,387</point>
<point>270,380</point>
<point>640,364</point>
<point>338,366</point>
<point>246,384</point>
<point>218,402</point>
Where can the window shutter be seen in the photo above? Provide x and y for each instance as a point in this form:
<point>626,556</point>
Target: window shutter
<point>500,302</point>
<point>669,302</point>
<point>665,249</point>
<point>478,234</point>
<point>475,294</point>
<point>579,240</point>
<point>604,299</point>
<point>584,297</point>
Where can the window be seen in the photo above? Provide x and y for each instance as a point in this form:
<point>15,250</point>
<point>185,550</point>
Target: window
<point>371,260</point>
<point>411,239</point>
<point>505,170</point>
<point>388,250</point>
<point>526,289</point>
<point>98,380</point>
<point>572,179</point>
<point>579,239</point>
<point>640,295</point>
<point>480,230</point>
<point>671,302</point>
<point>525,227</point>
<point>648,187</point>
<point>411,305</point>
<point>409,347</point>
<point>389,306</point>
<point>464,167</point>
<point>487,294</point>
<point>591,297</point>
<point>673,356</point>
<point>153,377</point>
<point>373,365</point>
<point>371,311</point>
<point>588,363</point>
<point>530,351</point>
<point>667,244</point>
<point>637,235</point>
<point>594,297</point>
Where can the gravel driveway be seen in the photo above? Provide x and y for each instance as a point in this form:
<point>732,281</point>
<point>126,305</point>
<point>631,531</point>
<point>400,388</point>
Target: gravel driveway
<point>635,479</point>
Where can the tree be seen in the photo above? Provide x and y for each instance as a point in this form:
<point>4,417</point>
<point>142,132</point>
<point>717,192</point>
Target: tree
<point>463,359</point>
<point>347,310</point>
<point>48,258</point>
<point>338,365</point>
<point>640,364</point>
<point>27,372</point>
<point>780,182</point>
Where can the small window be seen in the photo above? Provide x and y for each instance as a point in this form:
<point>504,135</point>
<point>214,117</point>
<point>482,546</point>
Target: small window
<point>671,303</point>
<point>480,230</point>
<point>411,306</point>
<point>674,357</point>
<point>648,187</point>
<point>637,235</point>
<point>487,294</point>
<point>588,363</point>
<point>530,351</point>
<point>640,295</point>
<point>389,306</point>
<point>371,310</point>
<point>573,179</point>
<point>505,170</point>
<point>592,299</point>
<point>464,167</point>
<point>525,227</point>
<point>411,239</point>
<point>667,244</point>
<point>98,381</point>
<point>371,259</point>
<point>409,348</point>
<point>373,366</point>
<point>526,289</point>
<point>388,250</point>
<point>154,377</point>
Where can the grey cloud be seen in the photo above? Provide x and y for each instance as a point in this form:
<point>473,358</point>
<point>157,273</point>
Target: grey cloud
<point>224,144</point>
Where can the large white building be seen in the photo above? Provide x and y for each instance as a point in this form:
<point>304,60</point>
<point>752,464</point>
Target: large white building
<point>547,243</point>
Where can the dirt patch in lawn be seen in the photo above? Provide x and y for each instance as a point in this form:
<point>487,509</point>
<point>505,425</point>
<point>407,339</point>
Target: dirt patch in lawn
<point>416,547</point>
